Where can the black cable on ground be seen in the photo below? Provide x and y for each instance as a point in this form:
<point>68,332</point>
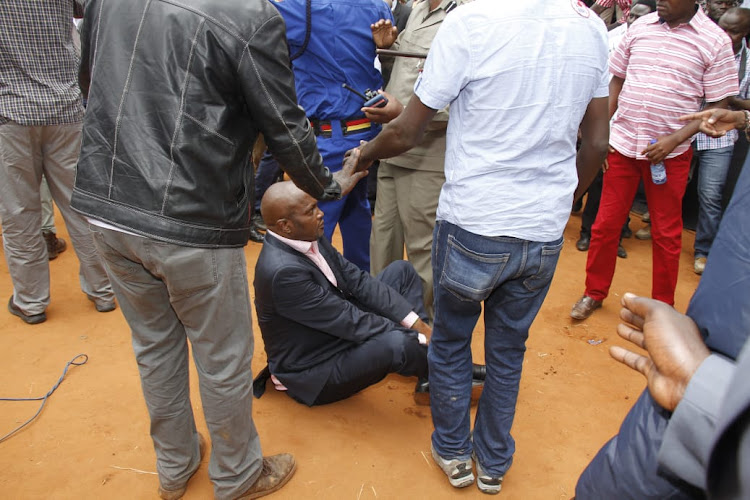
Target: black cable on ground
<point>43,399</point>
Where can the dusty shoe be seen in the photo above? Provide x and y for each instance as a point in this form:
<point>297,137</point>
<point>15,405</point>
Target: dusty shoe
<point>485,482</point>
<point>277,471</point>
<point>55,245</point>
<point>31,319</point>
<point>102,306</point>
<point>460,473</point>
<point>255,235</point>
<point>166,494</point>
<point>644,233</point>
<point>585,307</point>
<point>699,265</point>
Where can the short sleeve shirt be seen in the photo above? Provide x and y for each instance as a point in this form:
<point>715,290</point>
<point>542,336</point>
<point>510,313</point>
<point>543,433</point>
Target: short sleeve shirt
<point>668,73</point>
<point>519,77</point>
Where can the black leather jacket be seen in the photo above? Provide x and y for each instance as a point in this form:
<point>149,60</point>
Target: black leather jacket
<point>178,91</point>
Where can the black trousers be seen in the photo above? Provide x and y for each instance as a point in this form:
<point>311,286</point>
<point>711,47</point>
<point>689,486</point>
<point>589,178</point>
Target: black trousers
<point>395,351</point>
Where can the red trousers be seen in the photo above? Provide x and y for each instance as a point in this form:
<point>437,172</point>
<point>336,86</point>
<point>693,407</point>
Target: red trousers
<point>664,205</point>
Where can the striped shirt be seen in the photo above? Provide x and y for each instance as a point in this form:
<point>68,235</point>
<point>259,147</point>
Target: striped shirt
<point>704,142</point>
<point>668,72</point>
<point>623,4</point>
<point>38,63</point>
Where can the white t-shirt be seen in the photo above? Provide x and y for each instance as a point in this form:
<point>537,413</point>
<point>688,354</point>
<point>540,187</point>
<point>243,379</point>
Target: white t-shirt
<point>518,76</point>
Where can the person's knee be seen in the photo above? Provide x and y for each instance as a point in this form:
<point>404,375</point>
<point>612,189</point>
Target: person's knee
<point>402,267</point>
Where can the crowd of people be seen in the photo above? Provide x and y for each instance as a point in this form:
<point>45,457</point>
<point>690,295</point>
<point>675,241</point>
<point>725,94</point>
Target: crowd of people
<point>480,122</point>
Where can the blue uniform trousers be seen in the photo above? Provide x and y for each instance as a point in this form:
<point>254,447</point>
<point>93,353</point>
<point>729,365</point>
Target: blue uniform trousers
<point>351,212</point>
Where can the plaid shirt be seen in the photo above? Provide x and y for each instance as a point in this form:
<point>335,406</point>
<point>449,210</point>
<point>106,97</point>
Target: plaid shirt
<point>704,142</point>
<point>38,63</point>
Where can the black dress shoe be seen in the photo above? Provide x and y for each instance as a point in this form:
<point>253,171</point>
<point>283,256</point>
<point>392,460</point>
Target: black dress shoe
<point>255,235</point>
<point>257,221</point>
<point>422,391</point>
<point>583,242</point>
<point>621,252</point>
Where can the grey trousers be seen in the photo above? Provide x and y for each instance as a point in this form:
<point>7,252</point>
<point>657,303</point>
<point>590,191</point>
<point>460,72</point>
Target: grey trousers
<point>25,154</point>
<point>405,211</point>
<point>48,209</point>
<point>170,294</point>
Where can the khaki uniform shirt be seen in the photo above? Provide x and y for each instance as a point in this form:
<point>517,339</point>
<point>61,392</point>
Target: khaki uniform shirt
<point>417,37</point>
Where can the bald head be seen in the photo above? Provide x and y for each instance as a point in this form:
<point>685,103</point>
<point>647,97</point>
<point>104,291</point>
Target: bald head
<point>290,212</point>
<point>736,23</point>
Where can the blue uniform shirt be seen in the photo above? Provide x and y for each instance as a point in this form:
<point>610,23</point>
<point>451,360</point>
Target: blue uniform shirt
<point>340,50</point>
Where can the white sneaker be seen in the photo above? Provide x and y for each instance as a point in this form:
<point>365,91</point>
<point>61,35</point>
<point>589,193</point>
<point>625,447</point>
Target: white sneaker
<point>485,482</point>
<point>699,265</point>
<point>460,473</point>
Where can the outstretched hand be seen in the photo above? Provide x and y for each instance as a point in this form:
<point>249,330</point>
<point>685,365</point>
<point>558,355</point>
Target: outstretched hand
<point>717,122</point>
<point>673,343</point>
<point>384,33</point>
<point>387,113</point>
<point>351,172</point>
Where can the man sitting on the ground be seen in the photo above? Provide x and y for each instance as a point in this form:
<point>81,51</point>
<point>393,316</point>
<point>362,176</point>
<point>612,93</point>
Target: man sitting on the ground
<point>329,328</point>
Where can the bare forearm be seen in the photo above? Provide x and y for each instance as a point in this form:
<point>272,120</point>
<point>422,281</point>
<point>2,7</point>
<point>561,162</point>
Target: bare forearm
<point>589,160</point>
<point>693,127</point>
<point>737,103</point>
<point>594,144</point>
<point>392,141</point>
<point>400,135</point>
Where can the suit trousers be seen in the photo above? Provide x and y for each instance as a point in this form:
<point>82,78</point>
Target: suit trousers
<point>396,351</point>
<point>665,205</point>
<point>25,154</point>
<point>170,295</point>
<point>405,217</point>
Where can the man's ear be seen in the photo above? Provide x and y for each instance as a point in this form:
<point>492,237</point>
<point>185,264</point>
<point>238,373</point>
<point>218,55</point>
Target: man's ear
<point>285,226</point>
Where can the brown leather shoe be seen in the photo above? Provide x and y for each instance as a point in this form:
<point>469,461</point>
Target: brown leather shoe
<point>55,245</point>
<point>585,307</point>
<point>166,494</point>
<point>277,471</point>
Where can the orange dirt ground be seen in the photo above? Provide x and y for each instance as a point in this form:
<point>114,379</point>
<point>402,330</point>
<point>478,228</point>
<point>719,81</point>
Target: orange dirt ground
<point>92,439</point>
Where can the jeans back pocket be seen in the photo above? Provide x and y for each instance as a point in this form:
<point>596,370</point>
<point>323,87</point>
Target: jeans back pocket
<point>550,253</point>
<point>471,275</point>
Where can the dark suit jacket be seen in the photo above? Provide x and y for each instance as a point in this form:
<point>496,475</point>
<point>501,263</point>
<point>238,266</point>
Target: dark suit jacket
<point>306,321</point>
<point>728,472</point>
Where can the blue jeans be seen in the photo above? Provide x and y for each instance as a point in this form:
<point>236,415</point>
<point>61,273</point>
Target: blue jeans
<point>511,277</point>
<point>712,176</point>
